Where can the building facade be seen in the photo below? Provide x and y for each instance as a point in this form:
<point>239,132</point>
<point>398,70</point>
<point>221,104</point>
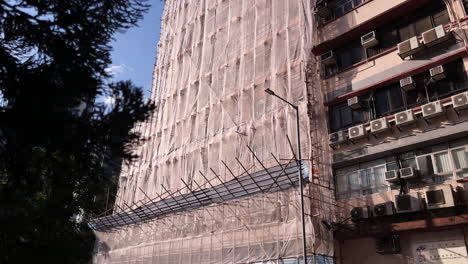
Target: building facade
<point>394,75</point>
<point>382,95</point>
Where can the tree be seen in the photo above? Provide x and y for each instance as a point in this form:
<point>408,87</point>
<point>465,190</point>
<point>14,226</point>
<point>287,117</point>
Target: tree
<point>60,145</point>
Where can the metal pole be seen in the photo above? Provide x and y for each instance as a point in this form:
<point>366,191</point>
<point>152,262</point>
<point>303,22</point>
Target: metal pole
<point>301,185</point>
<point>299,161</point>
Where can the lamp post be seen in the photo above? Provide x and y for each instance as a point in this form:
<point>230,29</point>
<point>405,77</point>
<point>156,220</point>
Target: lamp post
<point>301,185</point>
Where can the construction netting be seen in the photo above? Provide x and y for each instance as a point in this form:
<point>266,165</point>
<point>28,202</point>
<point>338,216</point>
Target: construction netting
<point>215,60</point>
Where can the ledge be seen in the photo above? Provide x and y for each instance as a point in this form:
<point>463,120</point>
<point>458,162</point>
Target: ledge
<point>432,223</point>
<point>383,53</point>
<point>373,229</point>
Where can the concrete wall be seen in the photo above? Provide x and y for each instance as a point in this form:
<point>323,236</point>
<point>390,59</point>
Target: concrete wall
<point>362,250</point>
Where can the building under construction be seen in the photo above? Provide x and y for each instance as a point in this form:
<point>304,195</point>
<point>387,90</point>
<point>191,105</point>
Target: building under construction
<point>343,122</point>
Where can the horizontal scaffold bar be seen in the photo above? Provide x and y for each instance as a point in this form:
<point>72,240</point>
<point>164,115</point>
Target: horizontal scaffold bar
<point>273,179</point>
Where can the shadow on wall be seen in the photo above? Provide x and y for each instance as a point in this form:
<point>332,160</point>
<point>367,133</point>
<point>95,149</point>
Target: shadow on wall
<point>103,249</point>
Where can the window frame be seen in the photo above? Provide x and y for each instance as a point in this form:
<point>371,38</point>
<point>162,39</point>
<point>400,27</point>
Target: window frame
<point>454,172</point>
<point>354,6</point>
<point>355,120</point>
<point>372,188</point>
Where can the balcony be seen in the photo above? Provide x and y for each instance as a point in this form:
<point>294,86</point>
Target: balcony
<point>360,20</point>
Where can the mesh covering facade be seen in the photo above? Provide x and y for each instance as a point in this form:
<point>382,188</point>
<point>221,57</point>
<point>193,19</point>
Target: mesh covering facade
<point>213,117</point>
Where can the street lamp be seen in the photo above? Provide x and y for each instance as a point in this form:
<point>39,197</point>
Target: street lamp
<point>299,162</point>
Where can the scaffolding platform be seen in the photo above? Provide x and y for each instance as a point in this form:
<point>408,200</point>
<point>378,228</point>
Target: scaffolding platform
<point>281,177</point>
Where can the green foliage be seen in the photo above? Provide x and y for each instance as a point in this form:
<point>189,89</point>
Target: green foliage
<point>61,147</point>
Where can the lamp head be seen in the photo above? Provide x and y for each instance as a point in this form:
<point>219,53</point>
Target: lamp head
<point>269,91</point>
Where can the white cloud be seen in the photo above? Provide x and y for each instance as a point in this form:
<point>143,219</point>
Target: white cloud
<point>116,70</point>
<point>108,100</point>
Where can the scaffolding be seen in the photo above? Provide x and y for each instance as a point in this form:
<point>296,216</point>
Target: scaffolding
<point>272,179</point>
<point>253,217</point>
<point>197,194</point>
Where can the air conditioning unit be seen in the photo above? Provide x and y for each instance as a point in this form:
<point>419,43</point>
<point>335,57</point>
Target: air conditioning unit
<point>432,109</point>
<point>405,118</point>
<point>392,176</point>
<point>440,196</point>
<point>460,101</point>
<point>408,173</point>
<point>383,209</point>
<point>379,125</point>
<point>434,35</point>
<point>321,9</point>
<point>360,213</point>
<point>437,73</point>
<point>369,40</point>
<point>388,245</point>
<point>407,84</point>
<point>407,203</point>
<point>409,47</point>
<point>337,138</point>
<point>355,103</point>
<point>328,58</point>
<point>357,132</point>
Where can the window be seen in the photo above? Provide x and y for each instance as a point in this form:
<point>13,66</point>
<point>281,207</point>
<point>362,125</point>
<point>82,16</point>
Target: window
<point>460,157</point>
<point>450,162</point>
<point>342,116</point>
<point>441,18</point>
<point>388,35</point>
<point>379,175</point>
<point>443,162</point>
<point>415,29</point>
<point>425,165</point>
<point>349,55</point>
<point>435,164</point>
<point>456,81</point>
<point>422,92</point>
<point>405,160</point>
<point>388,100</point>
<point>446,160</point>
<point>416,25</point>
<point>353,181</point>
<point>392,99</point>
<point>343,6</point>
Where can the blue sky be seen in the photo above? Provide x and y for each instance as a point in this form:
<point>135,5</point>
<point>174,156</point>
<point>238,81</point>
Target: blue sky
<point>134,51</point>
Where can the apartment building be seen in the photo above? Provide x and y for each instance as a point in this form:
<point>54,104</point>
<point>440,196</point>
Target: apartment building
<point>394,77</point>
